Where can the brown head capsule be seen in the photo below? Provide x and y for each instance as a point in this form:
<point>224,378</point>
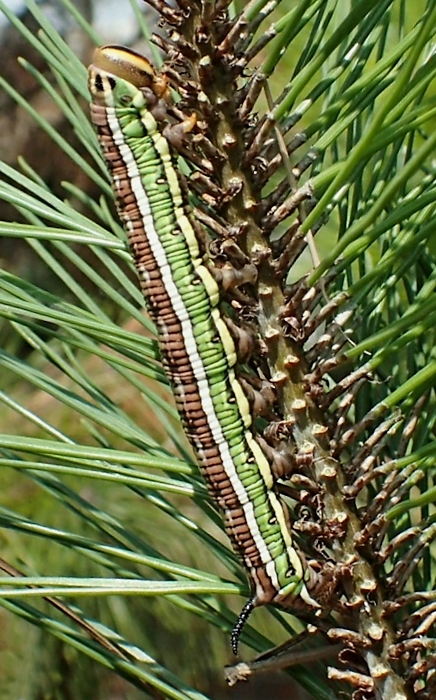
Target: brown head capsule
<point>131,66</point>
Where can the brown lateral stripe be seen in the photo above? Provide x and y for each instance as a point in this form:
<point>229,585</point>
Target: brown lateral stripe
<point>173,348</point>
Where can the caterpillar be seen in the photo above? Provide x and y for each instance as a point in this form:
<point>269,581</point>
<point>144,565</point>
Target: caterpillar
<point>183,298</point>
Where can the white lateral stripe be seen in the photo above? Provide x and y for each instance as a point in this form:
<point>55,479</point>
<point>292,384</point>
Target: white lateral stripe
<point>184,319</point>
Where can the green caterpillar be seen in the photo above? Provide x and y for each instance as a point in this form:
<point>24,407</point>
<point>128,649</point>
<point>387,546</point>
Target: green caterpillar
<point>183,298</point>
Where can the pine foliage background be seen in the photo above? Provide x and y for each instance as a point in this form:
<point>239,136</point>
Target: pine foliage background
<point>110,546</point>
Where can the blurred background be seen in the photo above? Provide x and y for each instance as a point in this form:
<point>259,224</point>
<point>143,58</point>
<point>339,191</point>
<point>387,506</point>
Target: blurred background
<point>33,664</point>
